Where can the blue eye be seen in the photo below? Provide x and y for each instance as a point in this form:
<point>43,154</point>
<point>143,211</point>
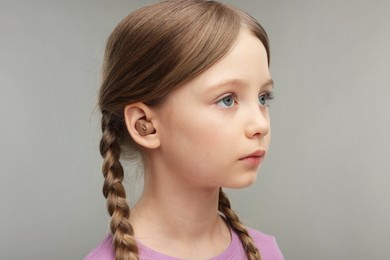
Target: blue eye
<point>227,101</point>
<point>265,99</point>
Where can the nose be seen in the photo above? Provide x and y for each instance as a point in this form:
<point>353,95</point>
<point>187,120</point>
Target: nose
<point>258,122</point>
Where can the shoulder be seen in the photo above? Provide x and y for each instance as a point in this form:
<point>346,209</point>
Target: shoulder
<point>103,251</point>
<point>267,245</point>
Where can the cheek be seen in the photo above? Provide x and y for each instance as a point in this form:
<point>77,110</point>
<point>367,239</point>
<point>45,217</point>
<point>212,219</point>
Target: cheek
<point>198,136</point>
<point>194,125</point>
<point>201,139</point>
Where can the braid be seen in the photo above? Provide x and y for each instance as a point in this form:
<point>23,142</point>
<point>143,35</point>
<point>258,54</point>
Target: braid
<point>113,190</point>
<point>234,222</point>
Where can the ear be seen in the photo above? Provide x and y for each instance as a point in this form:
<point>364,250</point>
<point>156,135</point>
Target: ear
<point>139,111</point>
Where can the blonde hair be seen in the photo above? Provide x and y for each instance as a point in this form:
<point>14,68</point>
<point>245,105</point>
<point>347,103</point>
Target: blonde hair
<point>151,52</point>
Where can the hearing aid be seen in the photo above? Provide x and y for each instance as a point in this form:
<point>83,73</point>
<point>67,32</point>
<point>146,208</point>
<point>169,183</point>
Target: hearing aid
<point>144,127</point>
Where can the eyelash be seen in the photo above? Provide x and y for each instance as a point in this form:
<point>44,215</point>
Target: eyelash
<point>268,96</point>
<point>231,96</point>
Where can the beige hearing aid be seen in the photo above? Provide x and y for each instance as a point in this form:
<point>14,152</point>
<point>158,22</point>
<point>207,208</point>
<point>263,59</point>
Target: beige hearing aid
<point>144,127</point>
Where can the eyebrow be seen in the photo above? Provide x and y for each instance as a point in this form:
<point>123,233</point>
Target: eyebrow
<point>239,83</point>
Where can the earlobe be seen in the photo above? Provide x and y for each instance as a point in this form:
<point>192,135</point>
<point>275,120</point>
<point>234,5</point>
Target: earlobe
<point>138,118</point>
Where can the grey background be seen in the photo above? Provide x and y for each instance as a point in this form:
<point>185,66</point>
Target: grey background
<point>324,190</point>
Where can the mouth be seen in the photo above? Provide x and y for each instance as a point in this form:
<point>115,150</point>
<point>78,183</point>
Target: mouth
<point>255,158</point>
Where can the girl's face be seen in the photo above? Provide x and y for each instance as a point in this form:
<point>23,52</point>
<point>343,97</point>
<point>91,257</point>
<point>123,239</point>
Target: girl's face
<point>215,130</point>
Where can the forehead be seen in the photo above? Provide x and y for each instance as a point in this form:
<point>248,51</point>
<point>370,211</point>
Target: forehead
<point>246,61</point>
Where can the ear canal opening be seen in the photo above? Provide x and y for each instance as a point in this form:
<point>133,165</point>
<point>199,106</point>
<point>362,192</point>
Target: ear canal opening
<point>144,127</point>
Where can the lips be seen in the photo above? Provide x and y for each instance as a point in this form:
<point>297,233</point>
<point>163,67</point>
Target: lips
<point>254,159</point>
<point>256,154</point>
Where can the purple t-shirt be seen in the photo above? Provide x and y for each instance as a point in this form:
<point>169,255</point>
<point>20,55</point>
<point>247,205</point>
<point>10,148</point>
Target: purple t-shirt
<point>266,244</point>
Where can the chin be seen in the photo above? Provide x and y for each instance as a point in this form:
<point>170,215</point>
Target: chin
<point>242,182</point>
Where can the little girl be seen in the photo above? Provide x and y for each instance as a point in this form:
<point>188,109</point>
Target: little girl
<point>186,88</point>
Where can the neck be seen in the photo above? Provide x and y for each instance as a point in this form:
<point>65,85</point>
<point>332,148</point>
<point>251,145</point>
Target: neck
<point>171,214</point>
<point>179,212</point>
